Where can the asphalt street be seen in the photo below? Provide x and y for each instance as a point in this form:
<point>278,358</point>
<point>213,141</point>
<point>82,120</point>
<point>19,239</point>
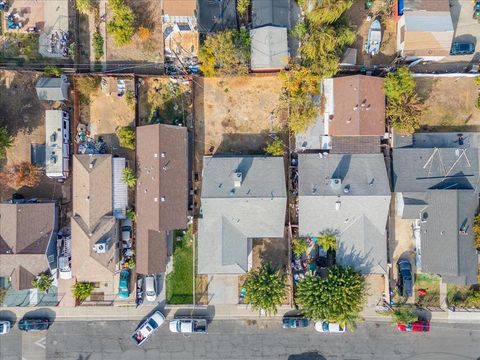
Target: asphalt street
<point>241,340</point>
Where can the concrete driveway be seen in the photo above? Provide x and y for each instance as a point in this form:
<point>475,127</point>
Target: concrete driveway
<point>222,289</point>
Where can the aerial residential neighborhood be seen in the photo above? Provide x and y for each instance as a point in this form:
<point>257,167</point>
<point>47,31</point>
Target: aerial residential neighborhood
<point>271,179</point>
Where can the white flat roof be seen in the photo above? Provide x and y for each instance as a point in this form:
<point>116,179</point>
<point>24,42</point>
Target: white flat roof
<point>54,146</point>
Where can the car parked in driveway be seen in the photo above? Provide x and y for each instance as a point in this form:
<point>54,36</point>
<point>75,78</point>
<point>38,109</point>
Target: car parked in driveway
<point>405,278</point>
<point>124,285</point>
<point>150,288</point>
<point>293,322</point>
<point>462,48</point>
<point>417,326</point>
<point>33,324</point>
<point>5,327</point>
<point>126,227</point>
<point>328,327</point>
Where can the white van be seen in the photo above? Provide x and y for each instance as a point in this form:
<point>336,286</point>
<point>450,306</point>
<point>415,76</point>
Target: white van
<point>150,288</point>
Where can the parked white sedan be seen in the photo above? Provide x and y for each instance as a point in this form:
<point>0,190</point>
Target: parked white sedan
<point>326,327</point>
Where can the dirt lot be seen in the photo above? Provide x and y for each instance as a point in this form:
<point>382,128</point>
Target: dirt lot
<point>235,115</point>
<point>357,17</point>
<point>148,14</point>
<point>161,100</point>
<point>449,103</point>
<point>24,116</point>
<point>104,115</point>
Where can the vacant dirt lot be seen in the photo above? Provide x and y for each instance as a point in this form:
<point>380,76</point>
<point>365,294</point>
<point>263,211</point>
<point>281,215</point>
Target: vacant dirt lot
<point>162,101</point>
<point>449,103</point>
<point>148,15</point>
<point>104,115</point>
<point>235,115</point>
<point>357,16</point>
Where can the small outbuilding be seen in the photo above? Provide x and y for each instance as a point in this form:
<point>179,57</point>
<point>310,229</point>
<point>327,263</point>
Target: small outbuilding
<point>52,88</point>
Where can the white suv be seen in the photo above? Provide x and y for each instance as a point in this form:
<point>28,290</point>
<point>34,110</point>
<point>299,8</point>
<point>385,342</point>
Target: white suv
<point>150,288</point>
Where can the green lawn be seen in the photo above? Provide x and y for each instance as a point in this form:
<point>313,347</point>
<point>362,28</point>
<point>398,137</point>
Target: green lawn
<point>180,280</point>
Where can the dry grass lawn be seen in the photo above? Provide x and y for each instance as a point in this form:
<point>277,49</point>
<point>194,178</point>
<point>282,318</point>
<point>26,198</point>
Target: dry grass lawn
<point>449,104</point>
<point>235,115</point>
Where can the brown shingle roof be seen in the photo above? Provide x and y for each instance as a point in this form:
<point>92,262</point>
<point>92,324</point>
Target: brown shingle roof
<point>359,106</point>
<point>92,187</point>
<point>162,191</point>
<point>179,7</point>
<point>25,233</point>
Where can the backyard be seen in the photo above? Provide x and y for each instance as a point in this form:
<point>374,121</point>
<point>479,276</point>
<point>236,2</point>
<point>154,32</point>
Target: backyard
<point>357,17</point>
<point>166,101</point>
<point>104,109</point>
<point>431,284</point>
<point>179,282</point>
<point>237,114</point>
<point>449,104</point>
<point>145,50</point>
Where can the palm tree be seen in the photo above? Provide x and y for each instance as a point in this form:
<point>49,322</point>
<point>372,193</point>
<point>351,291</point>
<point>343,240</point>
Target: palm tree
<point>328,241</point>
<point>265,288</point>
<point>129,177</point>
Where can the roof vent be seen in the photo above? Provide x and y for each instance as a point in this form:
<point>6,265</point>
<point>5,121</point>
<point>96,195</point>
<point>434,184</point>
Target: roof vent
<point>237,179</point>
<point>338,204</point>
<point>346,189</point>
<point>163,154</point>
<point>53,137</point>
<point>90,165</point>
<point>232,192</point>
<point>336,184</point>
<point>162,199</point>
<point>155,155</point>
<point>424,217</point>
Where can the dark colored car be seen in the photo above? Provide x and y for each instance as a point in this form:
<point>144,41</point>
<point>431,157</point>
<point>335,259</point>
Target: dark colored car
<point>405,278</point>
<point>27,324</point>
<point>462,48</point>
<point>417,326</point>
<point>294,322</point>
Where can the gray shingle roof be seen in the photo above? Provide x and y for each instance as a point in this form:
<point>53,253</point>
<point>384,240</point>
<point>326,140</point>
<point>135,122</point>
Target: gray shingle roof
<point>255,209</point>
<point>269,48</point>
<point>359,217</point>
<point>420,169</point>
<point>52,89</point>
<point>270,12</point>
<point>445,250</point>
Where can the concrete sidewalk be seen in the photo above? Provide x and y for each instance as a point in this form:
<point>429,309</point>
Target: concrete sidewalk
<point>218,312</point>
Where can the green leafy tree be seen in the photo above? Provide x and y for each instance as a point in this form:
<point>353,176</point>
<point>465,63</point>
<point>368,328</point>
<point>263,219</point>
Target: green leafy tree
<point>303,112</point>
<point>82,290</point>
<point>126,137</point>
<point>275,147</point>
<point>399,85</point>
<point>97,41</point>
<point>300,81</point>
<point>338,298</point>
<point>327,241</point>
<point>403,316</point>
<point>225,53</point>
<point>122,25</point>
<point>265,288</point>
<point>299,246</point>
<point>43,282</point>
<point>324,11</point>
<point>51,70</point>
<point>6,142</point>
<point>85,7</point>
<point>129,177</point>
<point>404,107</point>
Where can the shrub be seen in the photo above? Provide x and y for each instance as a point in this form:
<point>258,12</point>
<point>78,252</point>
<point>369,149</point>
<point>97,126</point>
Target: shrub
<point>85,6</point>
<point>299,246</point>
<point>132,215</point>
<point>51,70</point>
<point>327,241</point>
<point>403,316</point>
<point>97,42</point>
<point>275,148</point>
<point>6,142</point>
<point>3,294</point>
<point>143,33</point>
<point>130,98</point>
<point>82,290</point>
<point>126,137</point>
<point>86,85</point>
<point>122,27</point>
<point>242,7</point>
<point>476,230</point>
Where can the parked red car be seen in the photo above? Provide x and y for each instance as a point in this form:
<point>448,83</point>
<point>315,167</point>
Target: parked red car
<point>417,326</point>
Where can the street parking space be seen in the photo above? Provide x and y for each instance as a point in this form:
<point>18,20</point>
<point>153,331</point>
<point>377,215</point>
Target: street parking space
<point>467,29</point>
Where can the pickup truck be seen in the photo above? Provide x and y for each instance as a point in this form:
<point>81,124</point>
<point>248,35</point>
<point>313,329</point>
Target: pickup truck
<point>150,325</point>
<point>188,326</point>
